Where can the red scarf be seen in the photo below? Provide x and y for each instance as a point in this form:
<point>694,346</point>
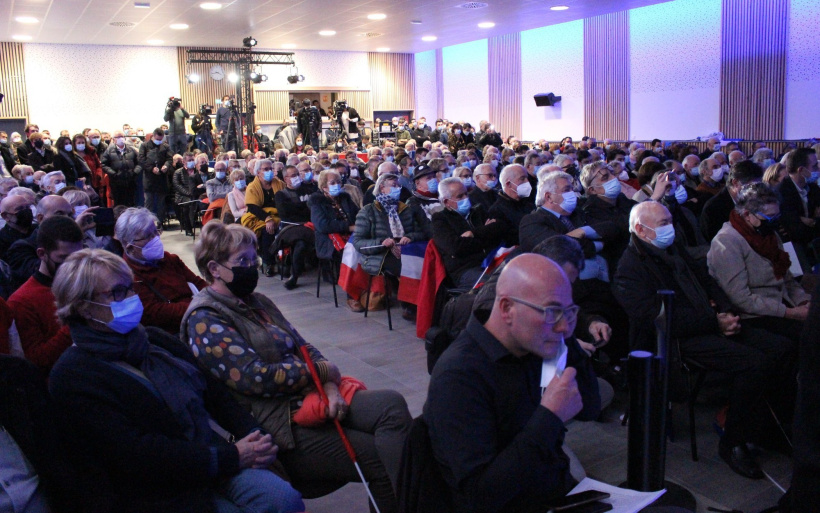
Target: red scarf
<point>766,247</point>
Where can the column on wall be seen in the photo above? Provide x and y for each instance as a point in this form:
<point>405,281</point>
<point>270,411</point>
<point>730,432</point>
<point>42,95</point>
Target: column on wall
<point>504,65</point>
<point>13,81</point>
<point>754,45</point>
<point>439,83</point>
<point>606,76</point>
<point>207,89</point>
<point>392,81</point>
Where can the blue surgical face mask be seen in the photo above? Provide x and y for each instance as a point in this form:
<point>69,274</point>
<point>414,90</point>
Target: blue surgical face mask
<point>464,206</point>
<point>468,182</point>
<point>220,175</point>
<point>664,236</point>
<point>814,176</point>
<point>768,162</point>
<point>395,192</point>
<point>334,189</point>
<point>411,170</point>
<point>569,201</point>
<point>309,176</point>
<point>268,176</point>
<point>240,184</point>
<point>432,185</point>
<point>333,161</point>
<point>190,164</point>
<point>154,250</point>
<point>412,154</point>
<point>389,158</point>
<point>612,188</point>
<point>681,195</point>
<point>492,183</point>
<point>451,167</point>
<point>127,314</point>
<point>30,179</point>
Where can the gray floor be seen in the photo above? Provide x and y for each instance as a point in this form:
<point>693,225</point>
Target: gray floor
<point>364,348</point>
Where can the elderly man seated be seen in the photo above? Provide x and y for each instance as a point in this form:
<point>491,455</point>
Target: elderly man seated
<point>294,212</point>
<point>163,282</point>
<point>704,326</point>
<point>52,183</point>
<point>485,191</point>
<point>43,338</point>
<point>499,441</point>
<point>748,262</point>
<point>463,234</point>
<point>512,203</point>
<point>711,176</point>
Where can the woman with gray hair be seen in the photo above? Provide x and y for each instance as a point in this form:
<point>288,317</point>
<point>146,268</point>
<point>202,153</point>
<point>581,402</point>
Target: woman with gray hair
<point>164,283</point>
<point>383,227</point>
<point>748,261</point>
<point>763,157</point>
<point>139,411</point>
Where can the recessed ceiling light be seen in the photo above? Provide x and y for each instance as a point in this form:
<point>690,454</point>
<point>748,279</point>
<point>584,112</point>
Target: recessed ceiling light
<point>21,37</point>
<point>383,49</point>
<point>559,8</point>
<point>486,24</point>
<point>376,16</point>
<point>26,19</point>
<point>327,32</point>
<point>154,41</point>
<point>211,6</point>
<point>429,38</point>
<point>179,26</point>
<point>415,22</point>
<point>288,45</point>
<point>142,5</point>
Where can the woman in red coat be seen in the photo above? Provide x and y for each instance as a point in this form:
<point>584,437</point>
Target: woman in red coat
<point>99,180</point>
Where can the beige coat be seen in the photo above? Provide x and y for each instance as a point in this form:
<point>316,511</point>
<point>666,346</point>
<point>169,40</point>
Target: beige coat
<point>748,278</point>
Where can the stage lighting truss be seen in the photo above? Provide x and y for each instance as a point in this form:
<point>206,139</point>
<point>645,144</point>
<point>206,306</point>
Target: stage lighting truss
<point>256,76</point>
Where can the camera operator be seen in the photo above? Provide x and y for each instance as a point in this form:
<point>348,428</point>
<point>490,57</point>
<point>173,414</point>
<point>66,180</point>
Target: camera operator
<point>310,123</point>
<point>175,115</point>
<point>202,127</point>
<point>226,121</point>
<point>348,120</point>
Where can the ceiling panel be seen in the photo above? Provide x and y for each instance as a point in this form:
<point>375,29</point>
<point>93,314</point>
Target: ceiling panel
<point>278,22</point>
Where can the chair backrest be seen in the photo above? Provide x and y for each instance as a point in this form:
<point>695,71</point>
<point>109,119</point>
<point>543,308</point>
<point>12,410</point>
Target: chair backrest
<point>420,486</point>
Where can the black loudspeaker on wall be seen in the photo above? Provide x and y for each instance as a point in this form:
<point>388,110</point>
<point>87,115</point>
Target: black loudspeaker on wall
<point>546,100</point>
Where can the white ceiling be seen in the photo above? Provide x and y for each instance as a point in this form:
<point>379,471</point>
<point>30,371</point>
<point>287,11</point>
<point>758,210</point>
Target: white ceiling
<point>297,22</point>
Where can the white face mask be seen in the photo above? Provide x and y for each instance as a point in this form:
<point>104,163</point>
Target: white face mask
<point>523,189</point>
<point>717,174</point>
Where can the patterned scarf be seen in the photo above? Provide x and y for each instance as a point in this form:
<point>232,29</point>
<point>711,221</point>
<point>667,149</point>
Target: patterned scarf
<point>766,247</point>
<point>391,206</point>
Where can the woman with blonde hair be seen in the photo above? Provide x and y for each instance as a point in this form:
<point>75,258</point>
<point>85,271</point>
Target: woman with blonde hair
<point>775,174</point>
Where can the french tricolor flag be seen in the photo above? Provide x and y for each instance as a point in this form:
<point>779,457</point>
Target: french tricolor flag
<point>412,262</point>
<point>352,277</point>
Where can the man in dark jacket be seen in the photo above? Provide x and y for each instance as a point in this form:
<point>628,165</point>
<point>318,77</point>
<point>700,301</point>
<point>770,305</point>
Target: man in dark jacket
<point>27,147</point>
<point>119,162</point>
<point>156,161</point>
<point>16,212</point>
<point>203,128</point>
<point>496,437</point>
<point>226,124</point>
<point>484,192</point>
<point>6,152</point>
<point>717,209</point>
<point>175,115</point>
<point>490,138</point>
<point>512,205</point>
<point>40,155</point>
<point>291,203</point>
<point>463,234</point>
<point>711,335</point>
<point>310,123</point>
<point>799,197</point>
<point>421,132</point>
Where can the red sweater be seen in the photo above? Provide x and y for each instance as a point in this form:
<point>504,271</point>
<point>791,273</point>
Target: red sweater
<point>42,336</point>
<point>164,291</point>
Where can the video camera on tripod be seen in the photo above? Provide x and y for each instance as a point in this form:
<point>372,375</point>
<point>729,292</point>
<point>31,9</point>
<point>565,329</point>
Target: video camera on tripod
<point>174,102</point>
<point>340,105</point>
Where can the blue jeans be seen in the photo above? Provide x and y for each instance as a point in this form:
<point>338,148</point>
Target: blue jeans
<point>178,143</point>
<point>257,491</point>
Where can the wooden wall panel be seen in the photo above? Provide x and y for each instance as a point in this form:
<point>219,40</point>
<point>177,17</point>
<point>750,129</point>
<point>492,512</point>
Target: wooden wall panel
<point>271,106</point>
<point>606,76</point>
<point>207,89</point>
<point>392,80</point>
<point>754,44</point>
<point>13,81</point>
<point>504,65</point>
<point>439,83</point>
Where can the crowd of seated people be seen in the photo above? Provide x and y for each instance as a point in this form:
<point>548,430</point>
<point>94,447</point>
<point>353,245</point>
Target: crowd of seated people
<point>730,235</point>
